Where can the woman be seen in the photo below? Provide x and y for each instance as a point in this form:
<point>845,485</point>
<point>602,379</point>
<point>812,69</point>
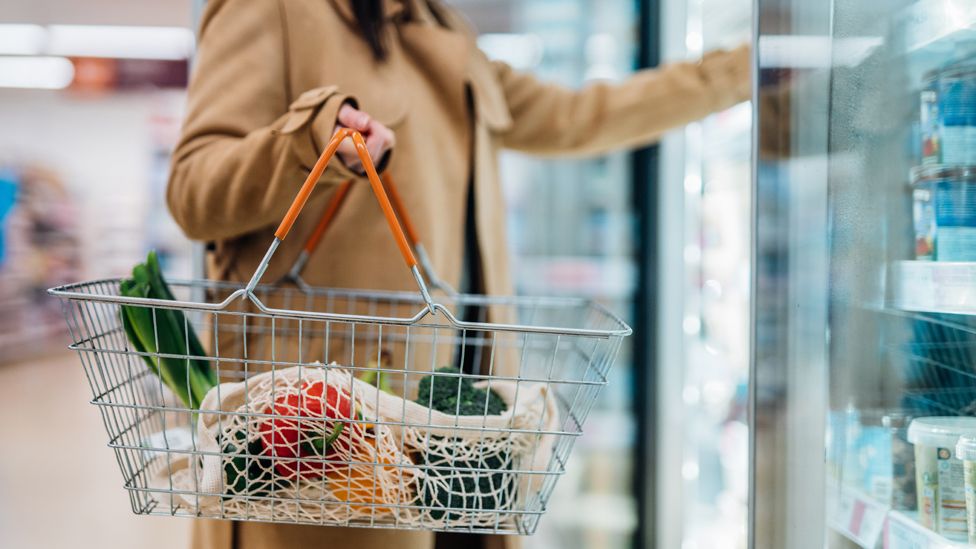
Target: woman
<point>275,78</point>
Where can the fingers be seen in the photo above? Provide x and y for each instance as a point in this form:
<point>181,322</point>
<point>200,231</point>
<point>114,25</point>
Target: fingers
<point>379,139</point>
<point>354,118</point>
<point>347,152</point>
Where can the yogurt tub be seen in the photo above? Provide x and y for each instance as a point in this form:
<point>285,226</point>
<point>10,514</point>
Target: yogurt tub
<point>966,451</point>
<point>939,475</point>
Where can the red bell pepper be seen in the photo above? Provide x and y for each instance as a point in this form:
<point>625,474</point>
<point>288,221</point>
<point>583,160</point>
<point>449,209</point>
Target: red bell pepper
<point>289,439</point>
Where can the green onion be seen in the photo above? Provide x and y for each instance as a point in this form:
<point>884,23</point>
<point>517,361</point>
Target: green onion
<point>156,331</point>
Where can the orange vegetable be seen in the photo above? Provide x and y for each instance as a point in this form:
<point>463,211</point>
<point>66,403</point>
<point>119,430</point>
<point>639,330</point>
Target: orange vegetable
<point>360,483</point>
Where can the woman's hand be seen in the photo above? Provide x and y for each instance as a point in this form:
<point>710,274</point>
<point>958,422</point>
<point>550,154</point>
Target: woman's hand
<point>379,139</point>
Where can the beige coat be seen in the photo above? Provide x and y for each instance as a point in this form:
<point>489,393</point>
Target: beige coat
<point>268,82</point>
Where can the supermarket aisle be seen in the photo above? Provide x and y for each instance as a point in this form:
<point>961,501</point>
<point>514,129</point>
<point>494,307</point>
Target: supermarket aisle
<point>59,483</point>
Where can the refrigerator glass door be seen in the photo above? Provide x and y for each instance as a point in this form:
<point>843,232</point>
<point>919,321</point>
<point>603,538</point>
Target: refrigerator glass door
<point>703,236</point>
<point>570,226</point>
<point>864,357</point>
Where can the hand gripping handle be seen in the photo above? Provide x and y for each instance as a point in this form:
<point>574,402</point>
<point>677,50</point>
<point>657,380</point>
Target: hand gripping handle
<point>378,190</point>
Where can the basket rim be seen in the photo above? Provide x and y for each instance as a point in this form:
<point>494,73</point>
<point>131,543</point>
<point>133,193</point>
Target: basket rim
<point>77,292</point>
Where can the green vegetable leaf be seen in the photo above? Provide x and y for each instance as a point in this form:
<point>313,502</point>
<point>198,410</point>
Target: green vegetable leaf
<point>165,331</point>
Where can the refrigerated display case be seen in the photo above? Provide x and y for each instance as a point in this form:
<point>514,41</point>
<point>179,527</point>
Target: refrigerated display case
<point>703,356</point>
<point>864,325</point>
<point>571,226</point>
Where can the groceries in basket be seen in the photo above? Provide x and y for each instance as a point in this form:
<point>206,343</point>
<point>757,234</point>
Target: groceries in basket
<point>317,443</point>
<point>157,332</point>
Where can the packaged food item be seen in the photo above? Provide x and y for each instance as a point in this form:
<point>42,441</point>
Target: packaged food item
<point>929,119</point>
<point>923,219</point>
<point>956,244</point>
<point>852,469</point>
<point>902,461</point>
<point>947,121</point>
<point>836,443</point>
<point>939,477</point>
<point>874,451</point>
<point>957,110</point>
<point>944,212</point>
<point>966,451</point>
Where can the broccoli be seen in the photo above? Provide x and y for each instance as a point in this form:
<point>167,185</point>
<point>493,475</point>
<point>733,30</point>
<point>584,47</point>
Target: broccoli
<point>469,490</point>
<point>246,476</point>
<point>457,395</point>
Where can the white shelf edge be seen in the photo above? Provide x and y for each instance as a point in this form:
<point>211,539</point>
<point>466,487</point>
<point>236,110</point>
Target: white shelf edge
<point>933,286</point>
<point>931,21</point>
<point>924,535</point>
<point>852,500</point>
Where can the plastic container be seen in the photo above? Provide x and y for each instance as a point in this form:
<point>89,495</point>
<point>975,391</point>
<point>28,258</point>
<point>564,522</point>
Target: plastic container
<point>957,114</point>
<point>947,120</point>
<point>902,461</point>
<point>966,451</point>
<point>929,120</point>
<point>923,219</point>
<point>939,475</point>
<point>944,212</point>
<point>874,454</point>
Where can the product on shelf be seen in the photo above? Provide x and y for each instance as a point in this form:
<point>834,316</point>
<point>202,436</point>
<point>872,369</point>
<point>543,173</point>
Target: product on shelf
<point>873,448</point>
<point>966,451</point>
<point>868,449</point>
<point>948,116</point>
<point>902,461</point>
<point>944,212</point>
<point>929,120</point>
<point>940,483</point>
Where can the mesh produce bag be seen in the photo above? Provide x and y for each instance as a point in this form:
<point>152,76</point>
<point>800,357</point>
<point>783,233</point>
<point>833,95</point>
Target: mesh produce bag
<point>315,444</point>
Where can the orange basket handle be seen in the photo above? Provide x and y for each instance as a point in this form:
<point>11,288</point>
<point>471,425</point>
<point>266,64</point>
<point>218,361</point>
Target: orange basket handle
<point>378,190</point>
<point>331,209</point>
<point>329,214</point>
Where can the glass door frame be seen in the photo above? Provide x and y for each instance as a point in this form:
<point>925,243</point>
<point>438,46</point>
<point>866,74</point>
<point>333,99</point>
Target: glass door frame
<point>788,371</point>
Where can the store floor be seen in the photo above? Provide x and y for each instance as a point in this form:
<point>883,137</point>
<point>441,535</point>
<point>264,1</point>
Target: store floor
<point>59,484</point>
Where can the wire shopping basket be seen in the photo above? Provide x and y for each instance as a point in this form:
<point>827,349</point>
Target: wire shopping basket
<point>344,407</point>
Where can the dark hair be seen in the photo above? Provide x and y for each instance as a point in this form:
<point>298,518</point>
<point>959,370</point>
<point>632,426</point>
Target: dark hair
<point>369,17</point>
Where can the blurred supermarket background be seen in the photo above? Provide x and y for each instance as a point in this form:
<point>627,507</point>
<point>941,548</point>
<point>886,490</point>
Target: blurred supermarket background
<point>91,97</point>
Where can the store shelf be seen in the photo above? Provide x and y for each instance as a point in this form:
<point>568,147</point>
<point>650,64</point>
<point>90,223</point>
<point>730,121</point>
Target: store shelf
<point>933,286</point>
<point>904,532</point>
<point>872,525</point>
<point>928,22</point>
<point>856,515</point>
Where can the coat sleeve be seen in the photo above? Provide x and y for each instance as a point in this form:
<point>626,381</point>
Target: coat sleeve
<point>247,144</point>
<point>550,119</point>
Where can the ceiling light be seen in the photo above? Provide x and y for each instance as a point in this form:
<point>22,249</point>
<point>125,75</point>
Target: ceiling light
<point>22,39</point>
<point>112,41</point>
<point>50,73</point>
<point>120,42</point>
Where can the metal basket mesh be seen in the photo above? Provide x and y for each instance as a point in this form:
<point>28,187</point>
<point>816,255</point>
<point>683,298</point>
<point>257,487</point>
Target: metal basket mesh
<point>561,348</point>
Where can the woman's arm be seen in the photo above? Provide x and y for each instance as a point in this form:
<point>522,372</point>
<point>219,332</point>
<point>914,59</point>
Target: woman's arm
<point>550,119</point>
<point>247,143</point>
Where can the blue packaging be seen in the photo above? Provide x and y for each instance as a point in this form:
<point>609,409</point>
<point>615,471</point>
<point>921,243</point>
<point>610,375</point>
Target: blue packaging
<point>944,212</point>
<point>954,200</point>
<point>947,121</point>
<point>957,96</point>
<point>923,219</point>
<point>929,120</point>
<point>955,244</point>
